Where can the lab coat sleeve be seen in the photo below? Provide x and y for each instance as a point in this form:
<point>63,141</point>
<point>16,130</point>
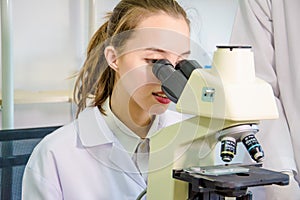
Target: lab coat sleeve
<point>41,179</point>
<point>254,25</point>
<point>39,187</point>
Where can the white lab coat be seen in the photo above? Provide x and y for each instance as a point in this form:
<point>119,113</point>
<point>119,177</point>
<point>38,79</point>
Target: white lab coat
<point>84,160</point>
<point>272,28</point>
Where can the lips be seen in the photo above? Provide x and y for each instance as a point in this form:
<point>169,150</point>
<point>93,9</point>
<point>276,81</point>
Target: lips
<point>161,97</point>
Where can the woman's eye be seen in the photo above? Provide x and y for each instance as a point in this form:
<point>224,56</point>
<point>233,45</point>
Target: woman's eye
<point>150,61</point>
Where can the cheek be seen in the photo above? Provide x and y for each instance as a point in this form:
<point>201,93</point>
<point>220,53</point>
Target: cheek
<point>137,77</point>
<point>145,100</point>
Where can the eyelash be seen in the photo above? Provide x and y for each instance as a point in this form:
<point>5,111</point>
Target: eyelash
<point>150,61</point>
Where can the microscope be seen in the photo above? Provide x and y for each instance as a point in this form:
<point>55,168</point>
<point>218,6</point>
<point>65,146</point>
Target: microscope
<point>226,102</point>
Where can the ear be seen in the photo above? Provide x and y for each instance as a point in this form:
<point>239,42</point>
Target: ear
<point>111,57</point>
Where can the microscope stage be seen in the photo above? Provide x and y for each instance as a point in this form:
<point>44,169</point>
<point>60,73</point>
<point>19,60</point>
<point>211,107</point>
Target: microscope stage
<point>229,180</point>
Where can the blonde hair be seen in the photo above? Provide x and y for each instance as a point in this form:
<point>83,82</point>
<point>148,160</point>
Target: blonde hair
<point>96,80</point>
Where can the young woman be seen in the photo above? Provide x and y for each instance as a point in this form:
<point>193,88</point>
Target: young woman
<point>120,105</point>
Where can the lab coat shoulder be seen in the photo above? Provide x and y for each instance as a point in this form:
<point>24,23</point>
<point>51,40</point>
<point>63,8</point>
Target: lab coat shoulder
<point>64,137</point>
<point>69,139</point>
<point>41,169</point>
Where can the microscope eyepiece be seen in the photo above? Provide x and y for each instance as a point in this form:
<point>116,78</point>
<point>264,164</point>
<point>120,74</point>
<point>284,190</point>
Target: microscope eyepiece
<point>172,80</point>
<point>163,69</point>
<point>187,67</point>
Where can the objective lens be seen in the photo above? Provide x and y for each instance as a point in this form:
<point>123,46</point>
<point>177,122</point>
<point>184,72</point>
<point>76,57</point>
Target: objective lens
<point>228,148</point>
<point>253,147</point>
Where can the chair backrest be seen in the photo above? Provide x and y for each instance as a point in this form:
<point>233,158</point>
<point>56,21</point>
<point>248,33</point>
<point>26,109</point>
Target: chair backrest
<point>16,146</point>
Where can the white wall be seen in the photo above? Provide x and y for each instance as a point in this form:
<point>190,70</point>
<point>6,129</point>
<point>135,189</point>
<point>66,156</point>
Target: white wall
<point>50,37</point>
<point>212,20</point>
<point>49,40</point>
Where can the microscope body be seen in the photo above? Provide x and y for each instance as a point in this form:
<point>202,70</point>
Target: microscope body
<point>228,90</point>
<point>227,102</point>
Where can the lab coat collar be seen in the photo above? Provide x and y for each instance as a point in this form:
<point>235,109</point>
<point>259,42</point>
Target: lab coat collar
<point>127,138</point>
<point>95,134</point>
<point>94,131</point>
<point>92,128</point>
<point>116,158</point>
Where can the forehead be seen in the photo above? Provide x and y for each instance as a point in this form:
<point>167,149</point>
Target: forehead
<point>162,20</point>
<point>161,32</point>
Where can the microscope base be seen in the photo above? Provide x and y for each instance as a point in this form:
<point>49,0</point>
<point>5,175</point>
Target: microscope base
<point>218,182</point>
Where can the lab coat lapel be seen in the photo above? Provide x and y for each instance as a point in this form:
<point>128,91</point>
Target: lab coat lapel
<point>115,157</point>
<point>121,159</point>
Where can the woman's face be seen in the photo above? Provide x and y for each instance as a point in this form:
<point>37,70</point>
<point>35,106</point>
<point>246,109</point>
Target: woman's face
<point>157,37</point>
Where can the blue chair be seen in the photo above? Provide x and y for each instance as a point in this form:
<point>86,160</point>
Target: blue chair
<point>16,145</point>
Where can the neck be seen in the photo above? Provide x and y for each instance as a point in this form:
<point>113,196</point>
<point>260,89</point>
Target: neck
<point>131,114</point>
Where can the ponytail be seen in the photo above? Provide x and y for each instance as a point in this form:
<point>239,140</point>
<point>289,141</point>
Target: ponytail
<point>95,77</point>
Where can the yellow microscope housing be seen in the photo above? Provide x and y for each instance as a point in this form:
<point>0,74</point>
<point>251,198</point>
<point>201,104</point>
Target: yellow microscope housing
<point>227,101</point>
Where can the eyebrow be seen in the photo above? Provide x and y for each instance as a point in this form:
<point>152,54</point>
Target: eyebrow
<point>163,51</point>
